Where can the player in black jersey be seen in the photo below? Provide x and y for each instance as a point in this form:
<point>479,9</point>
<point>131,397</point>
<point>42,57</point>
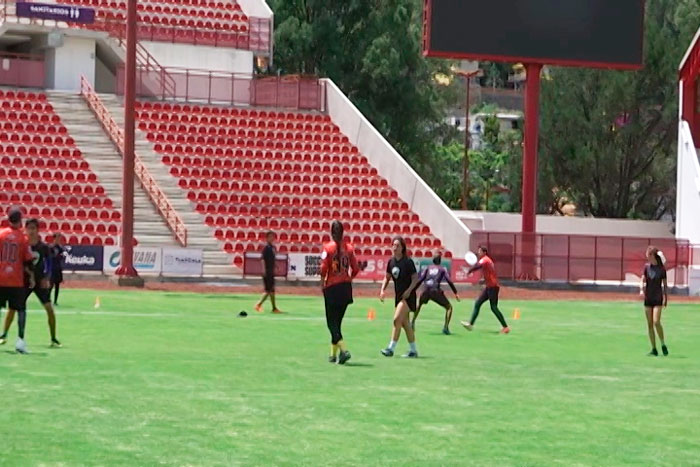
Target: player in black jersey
<point>402,270</point>
<point>654,288</point>
<point>40,285</point>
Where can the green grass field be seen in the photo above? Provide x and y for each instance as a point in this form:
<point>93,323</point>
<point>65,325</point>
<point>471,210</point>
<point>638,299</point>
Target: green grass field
<point>178,379</point>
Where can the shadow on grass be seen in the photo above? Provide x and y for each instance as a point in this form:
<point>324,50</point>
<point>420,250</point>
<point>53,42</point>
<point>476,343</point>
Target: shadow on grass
<point>30,354</point>
<point>359,365</point>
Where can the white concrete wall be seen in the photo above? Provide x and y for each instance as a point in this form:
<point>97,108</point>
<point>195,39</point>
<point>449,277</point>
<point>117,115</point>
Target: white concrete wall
<point>422,200</point>
<point>255,8</point>
<point>201,57</point>
<point>688,187</point>
<point>507,222</point>
<point>65,64</point>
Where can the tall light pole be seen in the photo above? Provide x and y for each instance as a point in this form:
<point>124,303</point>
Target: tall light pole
<point>468,75</point>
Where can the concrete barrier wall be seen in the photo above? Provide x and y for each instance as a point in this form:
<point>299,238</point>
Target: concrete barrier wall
<point>508,222</point>
<point>688,187</point>
<point>422,200</point>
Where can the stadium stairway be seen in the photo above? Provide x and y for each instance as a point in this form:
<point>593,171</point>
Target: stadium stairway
<point>216,261</point>
<point>105,161</point>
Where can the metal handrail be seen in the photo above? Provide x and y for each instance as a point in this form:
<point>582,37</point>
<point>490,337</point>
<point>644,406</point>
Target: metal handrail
<point>148,182</point>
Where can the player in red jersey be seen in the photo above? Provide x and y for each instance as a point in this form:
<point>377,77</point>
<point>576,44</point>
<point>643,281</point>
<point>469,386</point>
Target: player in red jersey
<point>338,268</point>
<point>15,260</point>
<point>490,292</point>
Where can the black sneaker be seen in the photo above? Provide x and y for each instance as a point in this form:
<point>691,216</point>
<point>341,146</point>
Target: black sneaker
<point>653,353</point>
<point>343,357</point>
<point>387,352</point>
<point>55,343</point>
<point>446,331</point>
<point>332,359</point>
<point>664,350</point>
<point>411,354</point>
<point>3,339</point>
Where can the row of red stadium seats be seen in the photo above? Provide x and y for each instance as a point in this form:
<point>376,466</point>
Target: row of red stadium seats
<point>340,143</point>
<point>308,192</point>
<point>35,139</point>
<point>75,201</point>
<point>191,177</point>
<point>73,178</point>
<point>231,4</point>
<point>197,166</point>
<point>317,237</point>
<point>10,95</point>
<point>33,117</point>
<point>227,11</point>
<point>201,23</point>
<point>26,106</point>
<point>303,219</point>
<point>238,248</point>
<point>279,120</point>
<point>180,111</point>
<point>43,161</point>
<point>173,152</point>
<point>301,205</point>
<point>22,127</point>
<point>60,213</point>
<point>32,150</point>
<point>234,127</point>
<point>73,239</point>
<point>253,204</point>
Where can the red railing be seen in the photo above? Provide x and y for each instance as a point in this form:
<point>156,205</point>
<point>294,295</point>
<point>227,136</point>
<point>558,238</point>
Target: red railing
<point>163,81</point>
<point>580,258</point>
<point>213,87</point>
<point>257,38</point>
<point>22,70</point>
<point>148,182</point>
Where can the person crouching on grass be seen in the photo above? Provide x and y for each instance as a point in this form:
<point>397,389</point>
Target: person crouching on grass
<point>654,289</point>
<point>339,267</point>
<point>402,270</point>
<point>490,292</point>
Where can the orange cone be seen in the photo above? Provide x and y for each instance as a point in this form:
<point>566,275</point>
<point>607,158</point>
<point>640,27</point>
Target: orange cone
<point>516,313</point>
<point>371,314</point>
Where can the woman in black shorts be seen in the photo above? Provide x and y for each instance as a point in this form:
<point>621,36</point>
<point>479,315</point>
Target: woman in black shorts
<point>654,288</point>
<point>403,271</point>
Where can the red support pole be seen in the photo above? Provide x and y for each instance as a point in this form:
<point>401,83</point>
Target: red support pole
<point>126,269</point>
<point>529,194</point>
<point>532,124</point>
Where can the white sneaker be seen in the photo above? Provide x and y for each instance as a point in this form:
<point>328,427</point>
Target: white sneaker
<point>21,346</point>
<point>467,325</point>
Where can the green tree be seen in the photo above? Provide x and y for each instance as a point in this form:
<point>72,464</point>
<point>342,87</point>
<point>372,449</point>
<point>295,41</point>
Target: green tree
<point>608,138</point>
<point>372,50</point>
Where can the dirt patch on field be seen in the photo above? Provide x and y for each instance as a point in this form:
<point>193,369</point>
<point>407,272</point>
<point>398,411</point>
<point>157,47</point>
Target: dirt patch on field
<point>365,290</point>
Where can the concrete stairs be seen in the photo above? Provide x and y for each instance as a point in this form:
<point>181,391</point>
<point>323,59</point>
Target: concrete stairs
<point>216,261</point>
<point>149,227</point>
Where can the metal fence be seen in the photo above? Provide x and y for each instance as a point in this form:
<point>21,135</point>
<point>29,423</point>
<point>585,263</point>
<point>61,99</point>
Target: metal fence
<point>581,258</point>
<point>216,87</point>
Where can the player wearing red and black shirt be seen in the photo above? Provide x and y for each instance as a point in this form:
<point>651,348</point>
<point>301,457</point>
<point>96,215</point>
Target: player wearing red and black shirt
<point>490,292</point>
<point>15,259</point>
<point>41,270</point>
<point>339,267</point>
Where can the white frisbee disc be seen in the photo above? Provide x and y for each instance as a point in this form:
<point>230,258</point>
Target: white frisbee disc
<point>470,258</point>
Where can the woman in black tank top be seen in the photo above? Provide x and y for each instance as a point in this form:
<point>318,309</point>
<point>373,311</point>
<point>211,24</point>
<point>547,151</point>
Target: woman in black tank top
<point>654,288</point>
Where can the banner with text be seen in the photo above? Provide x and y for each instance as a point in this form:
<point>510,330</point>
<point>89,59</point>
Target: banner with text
<point>83,258</point>
<point>67,13</point>
<point>146,260</point>
<point>185,261</point>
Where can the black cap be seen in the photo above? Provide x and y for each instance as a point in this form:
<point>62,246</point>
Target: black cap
<point>14,215</point>
<point>242,314</point>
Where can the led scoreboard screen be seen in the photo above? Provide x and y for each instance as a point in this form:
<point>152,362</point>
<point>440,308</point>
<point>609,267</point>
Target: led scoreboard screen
<point>593,33</point>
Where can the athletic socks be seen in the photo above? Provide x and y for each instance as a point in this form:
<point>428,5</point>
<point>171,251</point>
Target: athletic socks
<point>334,350</point>
<point>342,346</point>
<point>412,346</point>
<point>392,345</point>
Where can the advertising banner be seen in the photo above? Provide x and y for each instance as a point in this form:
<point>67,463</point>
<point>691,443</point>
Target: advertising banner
<point>56,12</point>
<point>147,260</point>
<point>83,258</point>
<point>185,261</point>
